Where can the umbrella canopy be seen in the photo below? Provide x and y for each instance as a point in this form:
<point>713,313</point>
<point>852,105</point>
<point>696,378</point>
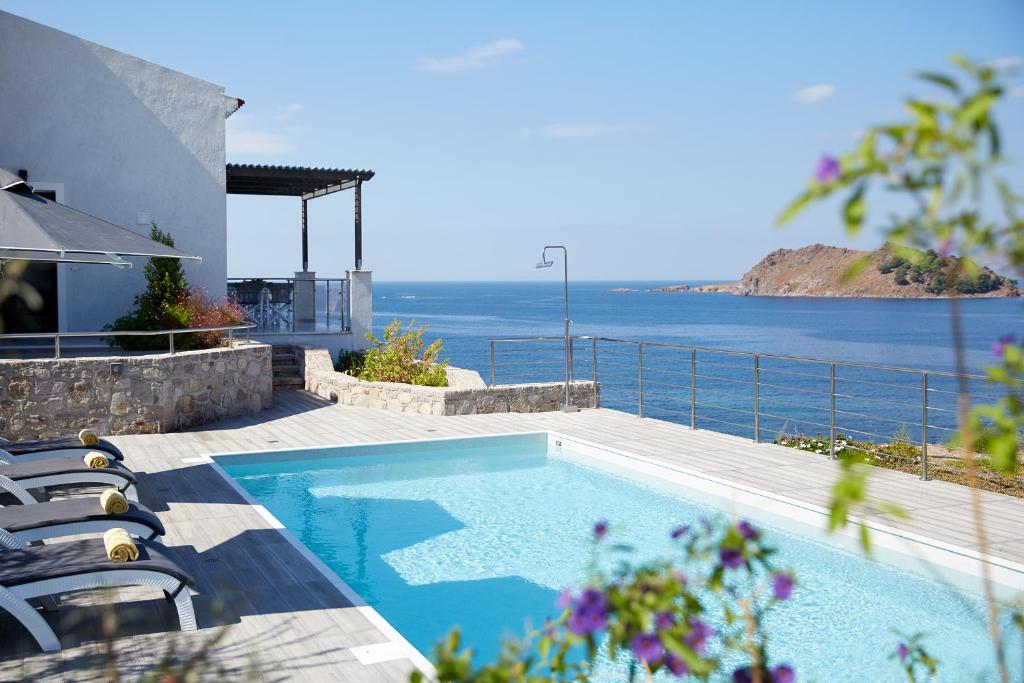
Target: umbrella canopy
<point>38,229</point>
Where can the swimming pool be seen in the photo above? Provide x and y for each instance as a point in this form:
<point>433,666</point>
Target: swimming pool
<point>484,532</point>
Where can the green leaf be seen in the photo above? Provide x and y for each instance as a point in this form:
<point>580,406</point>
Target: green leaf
<point>940,79</point>
<point>795,207</point>
<point>856,268</point>
<point>976,109</point>
<point>865,539</point>
<point>854,209</point>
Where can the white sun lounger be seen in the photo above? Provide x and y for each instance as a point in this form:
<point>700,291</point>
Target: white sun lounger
<point>41,571</point>
<point>41,474</point>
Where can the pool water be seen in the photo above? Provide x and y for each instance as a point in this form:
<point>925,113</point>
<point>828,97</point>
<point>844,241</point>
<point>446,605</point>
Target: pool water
<point>484,533</point>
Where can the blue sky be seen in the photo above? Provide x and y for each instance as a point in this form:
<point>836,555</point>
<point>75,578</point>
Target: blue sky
<point>656,140</point>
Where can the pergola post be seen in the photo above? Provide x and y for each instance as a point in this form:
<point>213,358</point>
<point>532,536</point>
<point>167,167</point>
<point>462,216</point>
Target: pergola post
<point>358,206</point>
<point>305,237</point>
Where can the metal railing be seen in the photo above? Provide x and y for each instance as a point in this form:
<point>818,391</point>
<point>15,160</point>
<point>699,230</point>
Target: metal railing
<point>753,394</point>
<point>7,341</point>
<point>269,303</point>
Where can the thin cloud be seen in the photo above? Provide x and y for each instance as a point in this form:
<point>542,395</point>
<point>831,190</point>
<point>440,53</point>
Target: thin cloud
<point>1010,62</point>
<point>815,93</point>
<point>256,142</point>
<point>584,129</point>
<point>479,57</point>
<point>285,111</point>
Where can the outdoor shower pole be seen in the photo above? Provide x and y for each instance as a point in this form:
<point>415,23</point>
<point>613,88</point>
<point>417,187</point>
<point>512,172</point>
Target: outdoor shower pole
<point>545,263</point>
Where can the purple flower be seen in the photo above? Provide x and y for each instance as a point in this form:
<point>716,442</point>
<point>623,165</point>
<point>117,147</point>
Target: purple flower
<point>747,530</point>
<point>600,530</point>
<point>647,647</point>
<point>663,621</point>
<point>782,586</point>
<point>590,613</point>
<point>676,665</point>
<point>592,598</point>
<point>698,636</point>
<point>999,348</point>
<point>564,599</point>
<point>584,622</point>
<point>783,673</point>
<point>828,169</point>
<point>903,651</point>
<point>742,675</point>
<point>730,558</point>
<point>680,530</point>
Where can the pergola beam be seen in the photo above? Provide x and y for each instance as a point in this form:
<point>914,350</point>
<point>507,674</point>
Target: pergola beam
<point>305,183</point>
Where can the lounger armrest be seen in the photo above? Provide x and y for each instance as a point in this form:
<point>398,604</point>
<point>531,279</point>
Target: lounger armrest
<point>10,541</point>
<point>5,457</point>
<point>16,489</point>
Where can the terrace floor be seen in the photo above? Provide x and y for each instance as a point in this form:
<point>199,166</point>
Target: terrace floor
<point>289,622</point>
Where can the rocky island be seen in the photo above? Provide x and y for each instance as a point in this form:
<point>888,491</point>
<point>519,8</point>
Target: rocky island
<point>818,270</point>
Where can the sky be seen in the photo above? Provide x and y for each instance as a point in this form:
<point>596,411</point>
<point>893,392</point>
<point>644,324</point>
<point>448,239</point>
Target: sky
<point>657,140</point>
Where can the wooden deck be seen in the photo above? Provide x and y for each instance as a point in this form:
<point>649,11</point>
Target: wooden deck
<point>286,621</point>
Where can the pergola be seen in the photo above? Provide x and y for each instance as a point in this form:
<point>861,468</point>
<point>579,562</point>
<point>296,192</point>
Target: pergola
<point>305,183</point>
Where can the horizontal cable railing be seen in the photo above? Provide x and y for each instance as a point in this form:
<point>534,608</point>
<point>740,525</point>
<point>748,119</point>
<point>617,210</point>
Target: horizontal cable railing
<point>16,341</point>
<point>755,394</point>
<point>271,303</point>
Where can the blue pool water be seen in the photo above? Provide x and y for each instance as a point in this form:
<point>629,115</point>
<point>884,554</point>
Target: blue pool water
<point>483,533</point>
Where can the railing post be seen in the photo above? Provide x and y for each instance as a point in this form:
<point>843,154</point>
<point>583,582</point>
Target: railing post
<point>757,398</point>
<point>231,337</point>
<point>170,342</point>
<point>593,362</point>
<point>640,379</point>
<point>924,426</point>
<point>492,362</point>
<point>693,388</point>
<point>832,411</point>
<point>56,346</point>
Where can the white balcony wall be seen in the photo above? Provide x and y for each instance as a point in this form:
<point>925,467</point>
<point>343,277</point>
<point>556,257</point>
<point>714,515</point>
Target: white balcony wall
<point>125,139</point>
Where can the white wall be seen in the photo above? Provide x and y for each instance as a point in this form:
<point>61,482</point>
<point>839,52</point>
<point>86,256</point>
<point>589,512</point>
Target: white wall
<point>123,136</point>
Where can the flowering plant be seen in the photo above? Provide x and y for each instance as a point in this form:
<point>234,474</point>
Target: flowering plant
<point>677,618</point>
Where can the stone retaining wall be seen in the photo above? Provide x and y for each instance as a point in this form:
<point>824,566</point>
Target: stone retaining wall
<point>133,394</point>
<point>469,396</point>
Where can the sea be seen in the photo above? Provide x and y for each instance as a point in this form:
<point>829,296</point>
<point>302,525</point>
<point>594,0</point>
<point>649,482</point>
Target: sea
<point>788,395</point>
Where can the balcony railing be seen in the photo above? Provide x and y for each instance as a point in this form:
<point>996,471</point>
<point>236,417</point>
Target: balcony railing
<point>288,305</point>
<point>756,395</point>
<point>53,344</point>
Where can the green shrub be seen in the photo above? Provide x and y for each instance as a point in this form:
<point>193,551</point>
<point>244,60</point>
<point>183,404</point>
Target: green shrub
<point>350,362</point>
<point>930,269</point>
<point>404,357</point>
<point>169,303</point>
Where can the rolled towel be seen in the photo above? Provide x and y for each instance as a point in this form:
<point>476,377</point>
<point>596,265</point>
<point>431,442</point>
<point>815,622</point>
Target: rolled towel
<point>96,460</point>
<point>114,502</point>
<point>89,437</point>
<point>120,546</point>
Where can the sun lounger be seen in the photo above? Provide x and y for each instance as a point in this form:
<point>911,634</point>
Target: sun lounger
<point>41,474</point>
<point>74,516</point>
<point>56,447</point>
<point>40,571</point>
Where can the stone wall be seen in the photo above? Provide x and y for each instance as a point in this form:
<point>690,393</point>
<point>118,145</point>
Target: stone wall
<point>133,394</point>
<point>468,395</point>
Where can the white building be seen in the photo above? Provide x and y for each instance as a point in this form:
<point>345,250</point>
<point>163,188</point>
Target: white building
<point>131,142</point>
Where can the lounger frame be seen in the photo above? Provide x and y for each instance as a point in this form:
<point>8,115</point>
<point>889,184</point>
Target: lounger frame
<point>15,599</point>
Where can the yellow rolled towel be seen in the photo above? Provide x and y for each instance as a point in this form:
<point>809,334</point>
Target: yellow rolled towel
<point>96,460</point>
<point>113,502</point>
<point>120,546</point>
<point>89,437</point>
